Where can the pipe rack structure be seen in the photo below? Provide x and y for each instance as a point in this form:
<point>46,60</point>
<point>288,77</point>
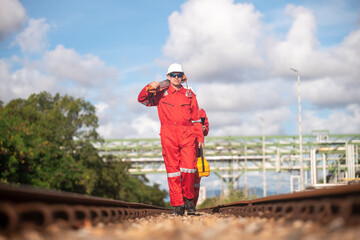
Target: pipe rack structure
<point>336,156</point>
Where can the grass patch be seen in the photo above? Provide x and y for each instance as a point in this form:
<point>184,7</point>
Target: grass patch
<point>233,196</point>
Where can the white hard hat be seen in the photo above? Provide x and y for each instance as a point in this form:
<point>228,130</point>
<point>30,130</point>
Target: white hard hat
<point>175,67</point>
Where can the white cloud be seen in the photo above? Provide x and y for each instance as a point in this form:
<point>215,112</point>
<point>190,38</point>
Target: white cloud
<point>146,127</point>
<point>12,17</point>
<point>338,84</point>
<point>5,81</point>
<point>301,49</point>
<point>344,121</point>
<point>303,28</point>
<point>102,109</point>
<point>141,127</point>
<point>212,37</point>
<point>237,123</point>
<point>68,65</point>
<point>27,81</point>
<point>23,82</point>
<point>116,130</point>
<point>141,122</point>
<point>331,92</point>
<point>61,70</point>
<point>222,41</point>
<point>246,97</point>
<point>33,38</point>
<point>349,52</point>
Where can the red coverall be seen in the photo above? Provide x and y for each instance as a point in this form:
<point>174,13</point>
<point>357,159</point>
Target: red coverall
<point>181,129</point>
<point>202,114</point>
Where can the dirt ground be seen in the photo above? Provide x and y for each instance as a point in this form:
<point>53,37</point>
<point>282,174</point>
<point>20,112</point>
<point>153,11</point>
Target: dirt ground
<point>203,226</point>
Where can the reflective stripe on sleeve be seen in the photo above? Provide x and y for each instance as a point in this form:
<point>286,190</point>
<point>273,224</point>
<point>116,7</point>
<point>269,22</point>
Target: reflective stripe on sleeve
<point>195,121</point>
<point>174,174</point>
<point>188,170</point>
<point>197,185</point>
<point>145,103</point>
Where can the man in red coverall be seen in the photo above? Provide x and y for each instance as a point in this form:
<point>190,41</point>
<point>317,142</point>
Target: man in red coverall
<point>181,129</point>
<point>205,128</point>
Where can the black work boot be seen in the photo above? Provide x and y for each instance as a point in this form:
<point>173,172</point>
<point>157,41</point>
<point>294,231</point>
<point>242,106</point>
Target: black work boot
<point>178,210</point>
<point>189,206</point>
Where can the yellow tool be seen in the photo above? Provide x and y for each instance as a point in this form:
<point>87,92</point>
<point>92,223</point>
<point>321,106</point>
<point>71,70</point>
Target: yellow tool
<point>202,165</point>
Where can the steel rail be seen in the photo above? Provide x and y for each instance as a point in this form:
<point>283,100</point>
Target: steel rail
<point>319,205</point>
<point>29,193</point>
<point>22,206</point>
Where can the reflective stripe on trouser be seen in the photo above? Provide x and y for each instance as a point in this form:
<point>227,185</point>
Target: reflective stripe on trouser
<point>178,145</point>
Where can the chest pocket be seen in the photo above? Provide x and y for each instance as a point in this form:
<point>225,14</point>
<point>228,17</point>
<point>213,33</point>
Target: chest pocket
<point>185,110</point>
<point>167,103</point>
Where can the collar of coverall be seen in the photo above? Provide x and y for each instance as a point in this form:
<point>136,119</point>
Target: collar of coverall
<point>171,89</point>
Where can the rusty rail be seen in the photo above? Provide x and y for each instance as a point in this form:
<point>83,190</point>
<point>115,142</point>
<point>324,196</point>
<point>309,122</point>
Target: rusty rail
<point>37,208</point>
<point>319,205</point>
<point>27,206</point>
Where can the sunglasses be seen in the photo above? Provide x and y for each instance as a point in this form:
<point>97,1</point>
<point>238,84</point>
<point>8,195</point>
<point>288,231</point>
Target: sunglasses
<point>174,75</point>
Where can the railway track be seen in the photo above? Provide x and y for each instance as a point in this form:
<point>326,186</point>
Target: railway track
<point>317,205</point>
<point>37,208</point>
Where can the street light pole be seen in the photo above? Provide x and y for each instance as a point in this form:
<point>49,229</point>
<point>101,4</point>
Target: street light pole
<point>300,135</point>
<point>263,155</point>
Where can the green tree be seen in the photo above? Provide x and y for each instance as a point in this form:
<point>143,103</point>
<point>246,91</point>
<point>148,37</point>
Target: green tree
<point>34,149</point>
<point>46,140</point>
<point>16,156</point>
<point>115,182</point>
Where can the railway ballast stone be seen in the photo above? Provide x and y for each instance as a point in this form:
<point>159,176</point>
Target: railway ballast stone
<point>201,227</point>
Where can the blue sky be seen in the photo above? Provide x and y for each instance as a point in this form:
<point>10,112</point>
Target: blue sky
<point>236,54</point>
